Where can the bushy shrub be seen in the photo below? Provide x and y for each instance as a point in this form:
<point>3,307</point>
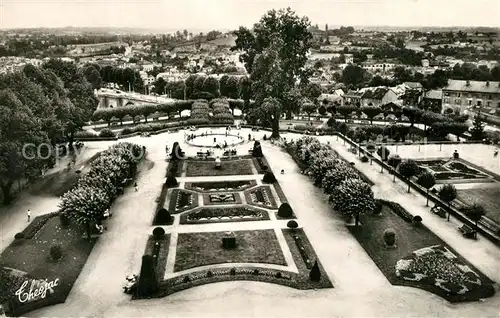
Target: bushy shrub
<point>370,147</point>
<point>126,131</point>
<point>19,236</point>
<point>210,274</point>
<point>278,275</point>
<point>85,133</point>
<point>285,210</point>
<point>389,237</point>
<point>171,181</point>
<point>158,232</point>
<point>364,159</point>
<point>269,177</point>
<point>257,149</point>
<point>394,160</point>
<point>106,132</point>
<point>232,271</point>
<point>292,224</point>
<point>255,272</point>
<point>56,251</point>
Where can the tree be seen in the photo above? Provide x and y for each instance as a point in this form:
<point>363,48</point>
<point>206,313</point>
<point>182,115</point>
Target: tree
<point>413,114</point>
<point>408,169</point>
<point>211,86</point>
<point>353,75</point>
<point>308,107</point>
<point>353,197</point>
<point>448,193</point>
<point>371,112</point>
<point>93,76</point>
<point>427,180</point>
<point>345,111</point>
<point>293,99</point>
<point>334,177</point>
<point>270,113</point>
<point>18,129</point>
<point>311,91</point>
<point>274,56</point>
<point>475,212</point>
<point>245,92</point>
<point>477,131</point>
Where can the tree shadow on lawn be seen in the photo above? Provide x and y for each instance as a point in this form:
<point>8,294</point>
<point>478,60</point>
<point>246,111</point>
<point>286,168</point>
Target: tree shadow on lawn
<point>409,237</point>
<point>205,248</point>
<point>59,182</point>
<point>33,256</point>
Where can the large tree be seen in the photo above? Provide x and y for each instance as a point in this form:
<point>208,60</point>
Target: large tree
<point>353,197</point>
<point>275,55</point>
<point>20,136</point>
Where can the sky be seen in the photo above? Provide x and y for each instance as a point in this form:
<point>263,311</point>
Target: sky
<point>229,14</point>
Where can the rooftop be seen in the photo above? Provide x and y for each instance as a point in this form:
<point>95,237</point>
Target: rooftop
<point>473,86</point>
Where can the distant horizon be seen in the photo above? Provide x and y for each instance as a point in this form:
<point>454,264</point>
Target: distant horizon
<point>230,14</point>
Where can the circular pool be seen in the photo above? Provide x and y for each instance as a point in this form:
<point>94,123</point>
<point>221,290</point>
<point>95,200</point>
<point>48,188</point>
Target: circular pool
<point>212,140</point>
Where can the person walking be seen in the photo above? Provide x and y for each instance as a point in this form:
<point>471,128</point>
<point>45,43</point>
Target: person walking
<point>136,187</point>
<point>28,213</point>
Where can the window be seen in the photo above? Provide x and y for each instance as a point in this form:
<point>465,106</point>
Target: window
<point>498,104</point>
<point>446,94</point>
<point>446,100</point>
<point>479,103</point>
<point>488,104</point>
<point>489,96</point>
<point>470,103</point>
<point>459,94</point>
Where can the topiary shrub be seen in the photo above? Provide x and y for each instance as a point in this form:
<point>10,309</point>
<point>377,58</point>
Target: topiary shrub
<point>171,181</point>
<point>257,149</point>
<point>210,274</point>
<point>315,273</point>
<point>255,272</point>
<point>232,271</point>
<point>163,217</point>
<point>106,132</point>
<point>279,275</point>
<point>292,224</point>
<point>364,159</point>
<point>285,210</point>
<point>269,177</point>
<point>389,237</point>
<point>19,236</point>
<point>186,279</point>
<point>394,160</point>
<point>265,137</point>
<point>158,232</point>
<point>417,219</point>
<point>65,221</point>
<point>56,251</point>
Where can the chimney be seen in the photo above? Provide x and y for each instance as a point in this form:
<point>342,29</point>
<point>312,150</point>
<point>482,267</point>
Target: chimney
<point>487,83</point>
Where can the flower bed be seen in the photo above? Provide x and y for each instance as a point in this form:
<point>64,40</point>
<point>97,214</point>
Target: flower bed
<point>221,198</point>
<point>398,209</point>
<point>456,175</point>
<point>229,214</point>
<point>438,266</point>
<point>460,167</point>
<point>182,200</point>
<point>220,185</point>
<point>261,196</point>
<point>37,224</point>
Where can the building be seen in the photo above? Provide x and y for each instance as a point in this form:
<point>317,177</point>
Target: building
<point>378,96</point>
<point>433,100</point>
<point>352,98</point>
<point>461,95</point>
<point>414,85</point>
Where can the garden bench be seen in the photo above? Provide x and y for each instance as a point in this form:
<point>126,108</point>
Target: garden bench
<point>439,211</point>
<point>466,231</point>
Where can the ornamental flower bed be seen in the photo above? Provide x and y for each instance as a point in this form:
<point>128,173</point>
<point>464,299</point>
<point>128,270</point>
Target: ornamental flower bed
<point>438,266</point>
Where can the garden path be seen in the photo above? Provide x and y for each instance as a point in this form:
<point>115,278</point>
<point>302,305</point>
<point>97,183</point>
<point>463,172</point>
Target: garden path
<point>361,289</point>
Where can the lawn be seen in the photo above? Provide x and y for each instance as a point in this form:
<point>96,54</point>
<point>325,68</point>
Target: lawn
<point>199,249</point>
<point>409,238</point>
<point>486,196</point>
<point>197,168</point>
<point>32,256</point>
<point>161,262</point>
